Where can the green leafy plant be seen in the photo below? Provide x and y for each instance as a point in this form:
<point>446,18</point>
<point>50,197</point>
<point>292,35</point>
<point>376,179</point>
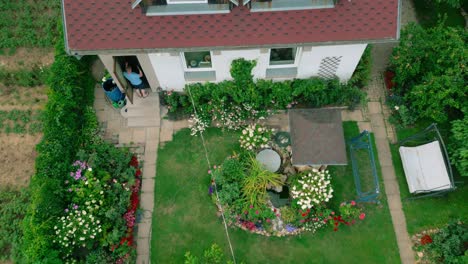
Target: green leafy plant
<point>13,205</point>
<point>449,243</point>
<point>254,137</point>
<point>288,215</point>
<point>212,255</point>
<point>256,181</point>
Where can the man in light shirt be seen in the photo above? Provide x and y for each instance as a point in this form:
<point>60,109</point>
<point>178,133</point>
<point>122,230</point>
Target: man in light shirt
<point>135,80</point>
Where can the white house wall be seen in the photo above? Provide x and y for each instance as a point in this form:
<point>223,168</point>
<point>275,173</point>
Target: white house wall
<point>169,70</point>
<point>169,67</point>
<point>312,56</point>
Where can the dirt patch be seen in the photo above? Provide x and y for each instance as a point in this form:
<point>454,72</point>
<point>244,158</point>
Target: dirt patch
<point>18,152</point>
<point>17,159</point>
<point>13,97</point>
<point>27,58</point>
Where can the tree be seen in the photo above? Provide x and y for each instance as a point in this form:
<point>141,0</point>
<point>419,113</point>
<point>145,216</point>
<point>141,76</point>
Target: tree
<point>452,3</point>
<point>430,70</point>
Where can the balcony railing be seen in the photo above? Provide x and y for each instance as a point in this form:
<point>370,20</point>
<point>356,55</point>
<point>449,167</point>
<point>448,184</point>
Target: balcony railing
<point>285,5</point>
<point>184,7</point>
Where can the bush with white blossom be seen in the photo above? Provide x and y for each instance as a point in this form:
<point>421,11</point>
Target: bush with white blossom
<point>79,228</point>
<point>312,188</point>
<point>255,136</point>
<point>197,125</point>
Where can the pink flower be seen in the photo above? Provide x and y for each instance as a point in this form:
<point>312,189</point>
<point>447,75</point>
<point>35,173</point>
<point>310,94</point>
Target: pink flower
<point>362,216</point>
<point>209,171</point>
<point>333,213</point>
<point>256,212</point>
<point>214,167</point>
<point>268,220</point>
<point>353,203</point>
<point>251,206</point>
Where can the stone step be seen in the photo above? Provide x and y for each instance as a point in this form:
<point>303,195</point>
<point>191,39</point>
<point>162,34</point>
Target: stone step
<point>143,122</point>
<point>142,112</point>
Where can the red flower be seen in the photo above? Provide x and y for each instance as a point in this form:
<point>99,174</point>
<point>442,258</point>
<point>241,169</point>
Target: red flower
<point>138,173</point>
<point>426,239</point>
<point>362,216</point>
<point>335,229</point>
<point>303,215</point>
<point>353,203</point>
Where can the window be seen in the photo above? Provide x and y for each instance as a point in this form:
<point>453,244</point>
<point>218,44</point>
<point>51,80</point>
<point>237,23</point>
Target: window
<point>187,1</point>
<point>283,56</point>
<point>197,60</point>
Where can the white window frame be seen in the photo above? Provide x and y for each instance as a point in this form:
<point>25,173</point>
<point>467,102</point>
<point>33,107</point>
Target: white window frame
<point>184,62</point>
<point>296,58</point>
<point>169,2</point>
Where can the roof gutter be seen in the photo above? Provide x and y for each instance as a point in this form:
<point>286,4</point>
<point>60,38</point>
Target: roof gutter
<point>64,27</point>
<point>398,20</point>
<point>165,50</point>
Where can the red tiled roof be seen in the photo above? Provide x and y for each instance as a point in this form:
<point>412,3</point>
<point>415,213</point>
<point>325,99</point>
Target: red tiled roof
<point>112,25</point>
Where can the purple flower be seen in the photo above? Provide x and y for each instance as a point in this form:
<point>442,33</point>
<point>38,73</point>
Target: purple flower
<point>66,210</point>
<point>290,228</point>
<point>75,206</point>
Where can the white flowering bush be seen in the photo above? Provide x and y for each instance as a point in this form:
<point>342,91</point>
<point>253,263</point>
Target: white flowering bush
<point>197,124</point>
<point>255,136</point>
<point>312,188</point>
<point>79,228</point>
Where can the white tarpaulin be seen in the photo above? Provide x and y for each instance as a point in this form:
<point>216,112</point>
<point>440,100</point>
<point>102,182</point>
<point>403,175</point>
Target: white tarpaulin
<point>425,168</point>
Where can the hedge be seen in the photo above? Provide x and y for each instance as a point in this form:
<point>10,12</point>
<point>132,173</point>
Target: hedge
<point>71,93</point>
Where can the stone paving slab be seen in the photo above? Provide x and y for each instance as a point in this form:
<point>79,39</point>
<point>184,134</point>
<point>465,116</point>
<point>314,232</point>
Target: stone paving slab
<point>355,115</point>
<point>152,133</point>
<point>374,107</point>
<point>377,120</point>
<point>143,247</point>
<point>391,187</point>
<point>147,185</point>
<point>142,259</point>
<point>147,201</point>
<point>149,170</point>
<point>364,126</point>
<point>144,230</point>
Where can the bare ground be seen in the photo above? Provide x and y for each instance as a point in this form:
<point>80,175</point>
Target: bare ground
<point>18,151</point>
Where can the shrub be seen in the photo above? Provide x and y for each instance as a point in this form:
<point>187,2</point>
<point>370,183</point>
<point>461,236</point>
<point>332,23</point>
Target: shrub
<point>312,188</point>
<point>458,146</point>
<point>254,137</point>
<point>213,255</point>
<point>362,73</point>
<point>449,243</point>
<point>71,93</point>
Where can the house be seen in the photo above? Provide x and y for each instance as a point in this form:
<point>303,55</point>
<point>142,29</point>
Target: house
<point>176,42</point>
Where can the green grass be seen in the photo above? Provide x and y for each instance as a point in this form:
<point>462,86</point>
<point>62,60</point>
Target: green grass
<point>185,217</point>
<point>428,13</point>
<point>426,213</point>
<point>28,23</point>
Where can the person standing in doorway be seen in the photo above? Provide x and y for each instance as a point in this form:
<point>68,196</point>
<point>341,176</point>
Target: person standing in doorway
<point>135,79</point>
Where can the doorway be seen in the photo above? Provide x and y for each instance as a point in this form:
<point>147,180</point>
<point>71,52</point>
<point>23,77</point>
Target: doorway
<point>119,69</point>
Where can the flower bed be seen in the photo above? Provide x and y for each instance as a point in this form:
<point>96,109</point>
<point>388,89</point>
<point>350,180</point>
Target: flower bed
<point>247,191</point>
<point>99,221</point>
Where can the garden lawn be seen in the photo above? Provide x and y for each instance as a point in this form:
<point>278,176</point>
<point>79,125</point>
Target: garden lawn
<point>185,218</point>
<point>426,213</point>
